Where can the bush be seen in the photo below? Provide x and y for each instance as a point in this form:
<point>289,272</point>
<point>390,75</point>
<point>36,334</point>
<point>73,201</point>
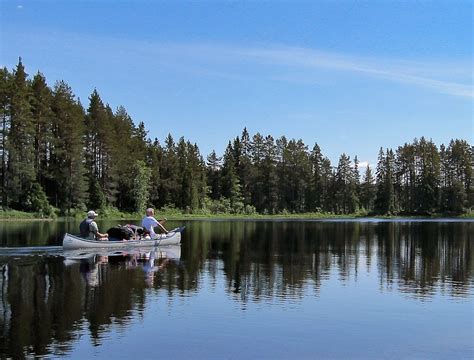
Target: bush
<point>170,209</point>
<point>250,210</point>
<point>36,201</point>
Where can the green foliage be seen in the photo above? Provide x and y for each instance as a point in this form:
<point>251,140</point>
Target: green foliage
<point>36,201</point>
<point>141,183</point>
<point>96,195</point>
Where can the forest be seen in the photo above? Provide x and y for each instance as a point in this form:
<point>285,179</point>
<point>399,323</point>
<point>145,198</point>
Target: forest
<point>60,157</point>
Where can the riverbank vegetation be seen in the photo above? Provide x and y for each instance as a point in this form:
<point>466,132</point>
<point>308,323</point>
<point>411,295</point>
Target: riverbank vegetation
<point>59,158</point>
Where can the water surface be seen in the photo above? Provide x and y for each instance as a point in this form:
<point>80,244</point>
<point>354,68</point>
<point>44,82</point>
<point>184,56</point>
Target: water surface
<point>244,289</point>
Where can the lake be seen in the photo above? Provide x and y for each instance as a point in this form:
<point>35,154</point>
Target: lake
<point>244,289</point>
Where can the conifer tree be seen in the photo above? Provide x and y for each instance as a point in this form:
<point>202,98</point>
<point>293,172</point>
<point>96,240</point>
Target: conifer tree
<point>244,168</point>
<point>213,175</point>
<point>42,118</point>
<point>67,183</point>
<point>5,102</point>
<point>317,190</point>
<point>94,120</point>
<point>21,152</point>
<point>230,182</point>
<point>170,176</point>
<point>428,176</point>
<point>367,193</point>
<point>155,158</point>
<point>385,198</point>
<point>345,186</point>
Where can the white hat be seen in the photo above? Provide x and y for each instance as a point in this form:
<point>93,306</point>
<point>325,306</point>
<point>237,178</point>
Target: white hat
<point>92,213</point>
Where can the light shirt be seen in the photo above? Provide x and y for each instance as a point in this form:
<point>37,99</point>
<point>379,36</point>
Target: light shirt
<point>149,222</point>
<point>93,230</point>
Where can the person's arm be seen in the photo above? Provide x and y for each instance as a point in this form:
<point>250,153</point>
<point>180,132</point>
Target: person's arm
<point>158,223</point>
<point>162,227</point>
<point>95,229</point>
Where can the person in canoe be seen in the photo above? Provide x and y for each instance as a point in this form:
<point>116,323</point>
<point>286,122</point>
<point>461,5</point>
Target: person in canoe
<point>89,228</point>
<point>149,223</point>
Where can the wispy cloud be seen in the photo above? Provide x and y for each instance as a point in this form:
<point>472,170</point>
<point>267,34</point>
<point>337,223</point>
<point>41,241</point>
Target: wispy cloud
<point>421,74</point>
<point>271,62</point>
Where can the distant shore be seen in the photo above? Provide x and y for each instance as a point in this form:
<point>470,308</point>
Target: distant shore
<point>13,215</point>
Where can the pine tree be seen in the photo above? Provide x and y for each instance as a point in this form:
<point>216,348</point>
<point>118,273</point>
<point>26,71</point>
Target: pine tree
<point>5,102</point>
<point>94,120</point>
<point>428,177</point>
<point>155,158</point>
<point>21,155</point>
<point>42,118</point>
<point>317,191</point>
<point>406,177</point>
<point>385,198</point>
<point>244,168</point>
<point>169,173</point>
<point>269,181</point>
<point>184,189</point>
<point>67,185</point>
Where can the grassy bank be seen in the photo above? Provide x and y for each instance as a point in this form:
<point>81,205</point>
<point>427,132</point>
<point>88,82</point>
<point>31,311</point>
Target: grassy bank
<point>15,215</point>
<point>113,214</point>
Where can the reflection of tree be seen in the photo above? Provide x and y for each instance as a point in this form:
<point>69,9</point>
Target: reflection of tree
<point>263,260</point>
<point>44,302</point>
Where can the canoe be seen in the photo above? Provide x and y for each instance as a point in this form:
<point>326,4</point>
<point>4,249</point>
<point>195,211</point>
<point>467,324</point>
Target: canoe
<point>75,242</point>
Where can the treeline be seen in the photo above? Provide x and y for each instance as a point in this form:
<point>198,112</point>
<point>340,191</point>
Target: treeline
<point>57,156</point>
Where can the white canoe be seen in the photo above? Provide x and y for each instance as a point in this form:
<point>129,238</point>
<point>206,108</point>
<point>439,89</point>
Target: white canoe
<point>75,242</point>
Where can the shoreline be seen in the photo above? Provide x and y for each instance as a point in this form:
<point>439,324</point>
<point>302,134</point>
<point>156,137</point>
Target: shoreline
<point>23,217</point>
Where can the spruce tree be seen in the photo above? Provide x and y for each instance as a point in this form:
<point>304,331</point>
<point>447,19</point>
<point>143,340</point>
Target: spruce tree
<point>230,182</point>
<point>213,175</point>
<point>367,193</point>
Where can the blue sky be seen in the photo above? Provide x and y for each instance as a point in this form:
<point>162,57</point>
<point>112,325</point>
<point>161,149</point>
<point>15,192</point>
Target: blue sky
<point>352,76</point>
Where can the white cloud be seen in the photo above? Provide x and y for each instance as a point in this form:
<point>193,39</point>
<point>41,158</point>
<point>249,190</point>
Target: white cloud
<point>363,164</point>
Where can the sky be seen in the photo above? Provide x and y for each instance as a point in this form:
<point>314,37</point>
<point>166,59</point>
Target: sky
<point>352,76</point>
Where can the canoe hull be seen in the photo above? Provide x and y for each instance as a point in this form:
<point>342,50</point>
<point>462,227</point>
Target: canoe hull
<point>71,242</point>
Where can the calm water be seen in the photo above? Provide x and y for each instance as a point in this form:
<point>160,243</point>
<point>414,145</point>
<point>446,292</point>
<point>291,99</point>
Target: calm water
<point>244,289</point>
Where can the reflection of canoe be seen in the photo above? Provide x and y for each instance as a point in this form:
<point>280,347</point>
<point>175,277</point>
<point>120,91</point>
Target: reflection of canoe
<point>75,242</point>
<point>172,252</point>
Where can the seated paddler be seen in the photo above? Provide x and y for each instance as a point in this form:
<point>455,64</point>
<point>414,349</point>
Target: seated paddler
<point>149,223</point>
<point>89,228</point>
